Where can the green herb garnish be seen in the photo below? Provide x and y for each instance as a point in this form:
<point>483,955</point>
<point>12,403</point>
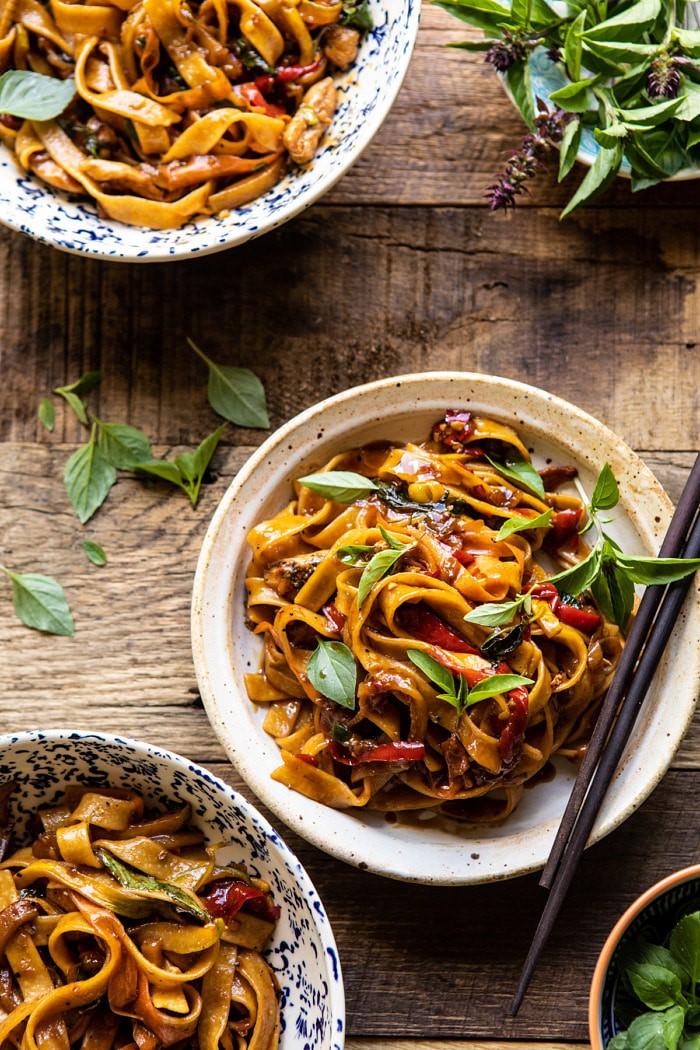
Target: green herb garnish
<point>148,885</point>
<point>94,553</point>
<point>333,672</point>
<point>34,96</point>
<point>187,470</point>
<point>381,564</point>
<point>456,691</point>
<point>236,394</point>
<point>40,602</point>
<point>342,486</point>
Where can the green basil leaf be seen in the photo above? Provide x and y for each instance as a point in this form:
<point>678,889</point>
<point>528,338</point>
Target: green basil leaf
<point>521,472</point>
<point>47,414</point>
<point>649,116</point>
<point>631,21</point>
<point>573,46</point>
<point>163,469</point>
<point>601,173</point>
<point>511,525</point>
<point>689,93</point>
<point>88,478</point>
<point>646,1033</point>
<point>34,96</point>
<point>193,465</point>
<point>235,393</point>
<point>495,685</point>
<point>76,403</point>
<point>357,15</point>
<point>651,571</point>
<point>606,493</point>
<point>342,486</point>
<point>619,1042</point>
<point>685,945</point>
<point>574,98</point>
<point>333,672</point>
<point>496,614</point>
<point>433,670</point>
<point>502,642</point>
<point>40,602</point>
<point>148,886</point>
<point>621,590</point>
<point>673,1021</point>
<point>122,446</point>
<point>378,567</point>
<point>94,553</point>
<point>395,542</point>
<point>473,45</point>
<point>608,137</point>
<point>570,144</point>
<point>579,577</point>
<point>484,14</point>
<point>519,81</point>
<point>529,13</point>
<point>620,50</point>
<point>655,986</point>
<point>353,553</point>
<point>72,393</point>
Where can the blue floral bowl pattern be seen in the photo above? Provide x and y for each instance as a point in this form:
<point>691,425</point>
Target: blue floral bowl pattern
<point>652,917</point>
<point>302,954</point>
<point>367,92</point>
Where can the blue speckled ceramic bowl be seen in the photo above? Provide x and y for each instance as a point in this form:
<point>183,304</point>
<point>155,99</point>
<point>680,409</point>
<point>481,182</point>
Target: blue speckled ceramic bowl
<point>652,916</point>
<point>367,92</point>
<point>302,953</point>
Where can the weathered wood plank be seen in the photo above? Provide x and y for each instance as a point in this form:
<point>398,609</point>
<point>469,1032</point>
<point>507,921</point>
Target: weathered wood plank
<point>129,669</point>
<point>342,297</point>
<point>446,961</point>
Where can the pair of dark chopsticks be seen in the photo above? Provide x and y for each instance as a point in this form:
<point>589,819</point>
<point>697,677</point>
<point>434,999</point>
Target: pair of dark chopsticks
<point>644,648</point>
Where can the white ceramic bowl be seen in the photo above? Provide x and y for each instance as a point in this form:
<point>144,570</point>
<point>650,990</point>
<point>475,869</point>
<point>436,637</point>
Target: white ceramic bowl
<point>367,92</point>
<point>302,952</point>
<point>224,650</point>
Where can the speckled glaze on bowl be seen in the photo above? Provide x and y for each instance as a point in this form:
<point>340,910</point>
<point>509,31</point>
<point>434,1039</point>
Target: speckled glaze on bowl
<point>652,916</point>
<point>404,407</point>
<point>302,952</point>
<point>367,92</point>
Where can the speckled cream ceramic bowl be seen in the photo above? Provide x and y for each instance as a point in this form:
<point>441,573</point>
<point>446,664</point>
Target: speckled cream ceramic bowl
<point>367,92</point>
<point>302,952</point>
<point>403,408</point>
<point>652,916</point>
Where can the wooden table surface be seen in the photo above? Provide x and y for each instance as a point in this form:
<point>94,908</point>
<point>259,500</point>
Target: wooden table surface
<point>400,269</point>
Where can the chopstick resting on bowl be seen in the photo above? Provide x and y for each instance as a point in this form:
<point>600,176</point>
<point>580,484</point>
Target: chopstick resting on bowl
<point>652,628</point>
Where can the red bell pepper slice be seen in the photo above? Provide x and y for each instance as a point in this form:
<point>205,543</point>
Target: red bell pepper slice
<point>311,760</point>
<point>514,730</point>
<point>578,618</point>
<point>464,557</point>
<point>398,751</point>
<point>252,96</point>
<point>427,627</point>
<point>564,527</point>
<point>229,896</point>
<point>286,73</point>
<point>335,618</point>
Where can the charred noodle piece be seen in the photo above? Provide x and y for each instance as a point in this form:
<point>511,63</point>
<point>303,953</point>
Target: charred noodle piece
<point>172,118</point>
<point>432,745</point>
<point>105,956</point>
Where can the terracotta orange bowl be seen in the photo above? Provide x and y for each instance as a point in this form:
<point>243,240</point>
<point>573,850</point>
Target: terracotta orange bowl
<point>652,916</point>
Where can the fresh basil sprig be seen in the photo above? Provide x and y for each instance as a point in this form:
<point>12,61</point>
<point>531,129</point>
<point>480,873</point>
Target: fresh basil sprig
<point>381,564</point>
<point>123,446</point>
<point>72,394</point>
<point>88,478</point>
<point>519,471</point>
<point>34,96</point>
<point>40,602</point>
<point>511,525</point>
<point>187,470</point>
<point>457,692</point>
<point>498,614</point>
<point>333,672</point>
<point>665,981</point>
<point>47,414</point>
<point>341,486</point>
<point>235,393</point>
<point>353,553</point>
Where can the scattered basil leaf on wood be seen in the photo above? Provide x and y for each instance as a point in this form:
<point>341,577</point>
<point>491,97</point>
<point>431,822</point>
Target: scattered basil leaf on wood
<point>187,470</point>
<point>332,672</point>
<point>380,565</point>
<point>521,472</point>
<point>235,393</point>
<point>341,486</point>
<point>47,414</point>
<point>94,553</point>
<point>34,96</point>
<point>121,445</point>
<point>73,393</point>
<point>40,602</point>
<point>511,525</point>
<point>88,478</point>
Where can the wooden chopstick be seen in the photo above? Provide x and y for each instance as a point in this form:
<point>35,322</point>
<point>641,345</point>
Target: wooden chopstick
<point>648,663</point>
<point>670,548</point>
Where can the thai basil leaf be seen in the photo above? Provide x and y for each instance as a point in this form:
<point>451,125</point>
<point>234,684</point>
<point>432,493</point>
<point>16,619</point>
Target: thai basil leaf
<point>484,14</point>
<point>673,1021</point>
<point>579,577</point>
<point>520,83</point>
<point>377,568</point>
<point>235,393</point>
<point>333,672</point>
<point>601,173</point>
<point>132,880</point>
<point>606,493</point>
<point>608,137</point>
<point>631,20</point>
<point>655,986</point>
<point>88,479</point>
<point>47,414</point>
<point>94,553</point>
<point>650,116</point>
<point>685,945</point>
<point>521,472</point>
<point>122,446</point>
<point>502,642</point>
<point>575,97</point>
<point>341,486</point>
<point>34,96</point>
<point>40,602</point>
<point>356,13</point>
<point>72,393</point>
<point>432,669</point>
<point>495,685</point>
<point>570,143</point>
<point>353,553</point>
<point>646,1033</point>
<point>395,542</point>
<point>511,525</point>
<point>573,46</point>
<point>497,614</point>
<point>650,571</point>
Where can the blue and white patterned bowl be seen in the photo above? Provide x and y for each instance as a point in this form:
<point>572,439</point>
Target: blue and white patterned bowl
<point>651,917</point>
<point>302,953</point>
<point>367,92</point>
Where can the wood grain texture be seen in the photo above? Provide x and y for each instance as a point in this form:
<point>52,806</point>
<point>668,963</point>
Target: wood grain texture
<point>592,311</point>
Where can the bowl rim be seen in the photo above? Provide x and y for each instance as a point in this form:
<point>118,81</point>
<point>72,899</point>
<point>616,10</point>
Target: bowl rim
<point>180,252</point>
<point>336,987</point>
<point>267,792</point>
<point>615,936</point>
